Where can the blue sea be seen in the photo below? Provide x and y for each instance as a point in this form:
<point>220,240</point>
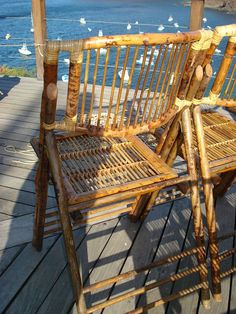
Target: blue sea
<point>110,16</point>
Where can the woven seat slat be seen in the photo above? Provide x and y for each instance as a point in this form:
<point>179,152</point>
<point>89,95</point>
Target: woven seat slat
<point>93,163</point>
<point>220,136</point>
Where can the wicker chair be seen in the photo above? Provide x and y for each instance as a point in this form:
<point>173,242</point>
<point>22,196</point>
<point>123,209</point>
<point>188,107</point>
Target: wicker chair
<point>94,156</point>
<point>217,154</point>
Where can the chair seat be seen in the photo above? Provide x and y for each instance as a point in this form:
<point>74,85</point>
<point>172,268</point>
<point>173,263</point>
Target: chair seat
<point>220,138</point>
<point>99,166</point>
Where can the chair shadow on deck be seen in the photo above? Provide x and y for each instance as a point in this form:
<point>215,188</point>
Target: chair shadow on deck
<point>6,84</point>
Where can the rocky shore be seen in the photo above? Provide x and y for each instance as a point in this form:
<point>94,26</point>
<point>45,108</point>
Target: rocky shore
<point>224,5</point>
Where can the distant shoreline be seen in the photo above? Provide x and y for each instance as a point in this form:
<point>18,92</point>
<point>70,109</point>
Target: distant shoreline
<point>221,5</point>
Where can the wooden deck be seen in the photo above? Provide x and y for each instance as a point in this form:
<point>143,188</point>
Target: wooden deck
<point>32,282</point>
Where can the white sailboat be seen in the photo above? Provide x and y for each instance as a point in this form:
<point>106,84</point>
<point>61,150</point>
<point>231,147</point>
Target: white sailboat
<point>129,26</point>
<point>103,51</point>
<point>82,20</point>
<point>100,33</point>
<point>140,61</point>
<point>66,60</point>
<point>161,27</point>
<point>126,76</point>
<point>155,53</point>
<point>170,19</point>
<point>24,50</point>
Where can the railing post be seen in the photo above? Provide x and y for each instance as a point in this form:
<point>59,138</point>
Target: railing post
<point>40,33</point>
<point>196,14</point>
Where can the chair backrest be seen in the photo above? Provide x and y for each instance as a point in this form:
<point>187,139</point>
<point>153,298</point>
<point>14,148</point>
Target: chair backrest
<point>223,91</point>
<point>124,84</point>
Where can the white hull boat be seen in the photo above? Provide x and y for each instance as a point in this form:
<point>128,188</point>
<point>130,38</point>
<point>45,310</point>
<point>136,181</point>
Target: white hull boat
<point>24,50</point>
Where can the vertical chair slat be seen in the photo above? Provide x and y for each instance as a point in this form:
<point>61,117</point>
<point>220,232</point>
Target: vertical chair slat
<point>151,84</point>
<point>93,87</point>
<point>224,68</point>
<point>232,89</point>
<point>227,89</point>
<point>160,100</point>
<point>120,88</point>
<point>113,88</point>
<point>137,86</point>
<point>157,85</point>
<point>103,86</point>
<point>81,120</point>
<point>178,75</point>
<point>143,87</point>
<point>128,88</point>
<point>170,77</point>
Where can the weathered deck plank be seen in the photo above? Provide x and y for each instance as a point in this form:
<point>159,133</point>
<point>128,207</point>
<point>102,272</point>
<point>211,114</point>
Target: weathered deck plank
<point>45,276</point>
<point>14,278</point>
<point>141,254</point>
<point>172,242</point>
<point>97,237</point>
<point>8,255</point>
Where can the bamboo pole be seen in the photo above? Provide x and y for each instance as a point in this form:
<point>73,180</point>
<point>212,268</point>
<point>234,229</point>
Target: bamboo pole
<point>65,222</point>
<point>209,203</point>
<point>196,14</point>
<point>224,67</point>
<point>40,33</point>
<point>195,83</point>
<point>207,73</point>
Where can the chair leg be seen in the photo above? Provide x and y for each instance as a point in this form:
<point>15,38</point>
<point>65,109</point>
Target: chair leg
<point>209,203</point>
<point>200,242</point>
<point>71,253</point>
<point>66,223</point>
<point>149,204</point>
<point>196,207</point>
<point>139,206</point>
<point>41,189</point>
<point>143,206</point>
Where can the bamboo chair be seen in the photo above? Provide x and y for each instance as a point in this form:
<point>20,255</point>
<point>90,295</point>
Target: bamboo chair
<point>94,155</point>
<point>217,153</point>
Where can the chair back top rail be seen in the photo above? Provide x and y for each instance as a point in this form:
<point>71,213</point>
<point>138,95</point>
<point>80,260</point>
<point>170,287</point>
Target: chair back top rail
<point>122,84</point>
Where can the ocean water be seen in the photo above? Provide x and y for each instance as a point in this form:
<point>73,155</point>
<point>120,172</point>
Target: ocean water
<point>110,16</point>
